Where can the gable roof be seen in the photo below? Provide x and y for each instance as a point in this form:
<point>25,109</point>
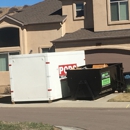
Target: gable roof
<point>43,12</point>
<point>85,34</point>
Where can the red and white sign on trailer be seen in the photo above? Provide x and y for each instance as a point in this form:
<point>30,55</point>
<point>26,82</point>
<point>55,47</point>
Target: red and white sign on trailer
<point>63,68</point>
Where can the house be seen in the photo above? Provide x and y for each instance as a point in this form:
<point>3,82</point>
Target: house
<point>29,30</point>
<point>104,31</point>
<point>100,27</point>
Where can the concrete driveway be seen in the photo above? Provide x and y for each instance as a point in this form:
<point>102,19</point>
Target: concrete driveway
<point>68,103</point>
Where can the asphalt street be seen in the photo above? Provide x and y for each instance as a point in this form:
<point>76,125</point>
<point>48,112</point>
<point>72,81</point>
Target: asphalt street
<point>90,115</point>
<point>87,118</point>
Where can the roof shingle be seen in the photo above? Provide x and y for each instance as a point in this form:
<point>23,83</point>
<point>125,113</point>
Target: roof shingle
<point>85,34</point>
<point>42,12</point>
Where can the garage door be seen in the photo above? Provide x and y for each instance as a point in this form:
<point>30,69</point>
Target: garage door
<point>109,56</point>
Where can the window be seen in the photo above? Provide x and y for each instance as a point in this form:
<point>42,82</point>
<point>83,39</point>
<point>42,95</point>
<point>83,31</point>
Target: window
<point>79,9</point>
<point>4,60</point>
<point>119,10</point>
<point>9,37</point>
<point>45,50</point>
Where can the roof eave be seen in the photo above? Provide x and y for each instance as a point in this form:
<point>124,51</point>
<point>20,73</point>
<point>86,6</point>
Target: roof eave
<point>11,18</point>
<point>64,41</point>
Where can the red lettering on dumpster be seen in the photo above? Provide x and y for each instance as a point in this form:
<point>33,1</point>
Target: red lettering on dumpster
<point>63,68</point>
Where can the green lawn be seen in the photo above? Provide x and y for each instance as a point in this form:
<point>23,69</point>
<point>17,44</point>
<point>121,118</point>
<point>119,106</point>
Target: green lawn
<point>26,126</point>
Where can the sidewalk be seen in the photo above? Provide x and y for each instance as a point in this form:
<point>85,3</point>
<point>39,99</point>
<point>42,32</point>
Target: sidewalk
<point>99,103</point>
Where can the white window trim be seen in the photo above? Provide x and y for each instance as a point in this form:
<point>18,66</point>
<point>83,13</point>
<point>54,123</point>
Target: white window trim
<point>74,11</point>
<point>120,21</point>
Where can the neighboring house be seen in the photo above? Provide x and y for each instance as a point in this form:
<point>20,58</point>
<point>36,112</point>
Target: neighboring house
<point>100,27</point>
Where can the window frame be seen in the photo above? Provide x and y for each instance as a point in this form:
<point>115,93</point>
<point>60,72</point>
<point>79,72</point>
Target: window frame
<point>75,10</point>
<point>110,22</point>
<point>45,47</point>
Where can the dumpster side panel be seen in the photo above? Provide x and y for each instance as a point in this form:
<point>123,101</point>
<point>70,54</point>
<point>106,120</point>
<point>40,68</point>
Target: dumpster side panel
<point>108,82</point>
<point>117,77</point>
<point>94,82</point>
<point>80,81</point>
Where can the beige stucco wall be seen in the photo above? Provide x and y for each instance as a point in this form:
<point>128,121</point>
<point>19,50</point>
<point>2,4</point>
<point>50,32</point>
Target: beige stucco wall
<point>4,82</point>
<point>71,24</point>
<point>63,28</point>
<point>40,36</point>
<point>102,20</point>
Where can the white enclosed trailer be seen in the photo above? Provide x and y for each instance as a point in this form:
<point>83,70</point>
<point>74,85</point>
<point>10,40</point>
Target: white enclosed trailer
<point>42,77</point>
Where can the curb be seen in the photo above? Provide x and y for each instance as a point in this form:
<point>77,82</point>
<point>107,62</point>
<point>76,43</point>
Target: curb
<point>69,128</point>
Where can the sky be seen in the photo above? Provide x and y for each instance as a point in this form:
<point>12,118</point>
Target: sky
<point>11,3</point>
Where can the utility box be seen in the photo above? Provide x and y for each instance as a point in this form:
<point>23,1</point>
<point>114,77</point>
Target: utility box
<point>42,77</point>
<point>92,81</point>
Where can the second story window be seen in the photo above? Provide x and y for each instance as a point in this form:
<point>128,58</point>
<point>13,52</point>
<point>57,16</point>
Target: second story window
<point>119,10</point>
<point>79,9</point>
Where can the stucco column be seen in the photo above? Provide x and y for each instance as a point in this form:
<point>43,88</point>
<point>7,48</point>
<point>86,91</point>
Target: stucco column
<point>23,41</point>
